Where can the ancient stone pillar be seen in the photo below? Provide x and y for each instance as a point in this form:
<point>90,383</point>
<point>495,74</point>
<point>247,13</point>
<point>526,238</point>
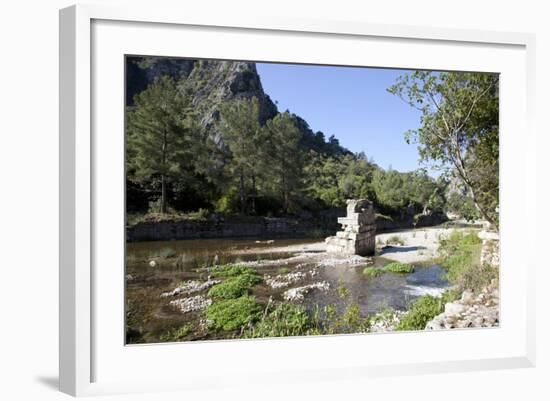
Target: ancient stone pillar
<point>358,234</point>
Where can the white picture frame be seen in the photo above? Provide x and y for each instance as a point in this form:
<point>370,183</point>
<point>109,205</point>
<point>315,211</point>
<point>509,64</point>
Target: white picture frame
<point>88,356</point>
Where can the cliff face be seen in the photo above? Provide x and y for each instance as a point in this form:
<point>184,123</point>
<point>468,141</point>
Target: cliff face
<point>209,83</point>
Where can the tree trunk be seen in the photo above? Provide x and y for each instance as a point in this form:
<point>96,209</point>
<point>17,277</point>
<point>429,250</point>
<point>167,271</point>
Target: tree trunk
<point>163,176</point>
<point>163,194</point>
<point>241,190</point>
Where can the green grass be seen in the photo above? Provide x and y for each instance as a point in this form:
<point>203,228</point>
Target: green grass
<point>459,255</point>
<point>285,320</point>
<point>420,313</point>
<point>234,287</point>
<point>394,267</point>
<point>283,270</point>
<point>231,270</point>
<point>176,334</point>
<point>343,291</point>
<point>424,309</point>
<point>232,314</point>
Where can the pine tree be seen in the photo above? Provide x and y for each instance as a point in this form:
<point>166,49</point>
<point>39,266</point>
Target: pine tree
<point>162,140</point>
<point>242,134</point>
<point>284,137</point>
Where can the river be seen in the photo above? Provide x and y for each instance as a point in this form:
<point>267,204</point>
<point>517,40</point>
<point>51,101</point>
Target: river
<point>179,261</point>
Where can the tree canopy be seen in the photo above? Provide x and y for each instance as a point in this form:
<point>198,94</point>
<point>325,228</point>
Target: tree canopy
<point>459,129</point>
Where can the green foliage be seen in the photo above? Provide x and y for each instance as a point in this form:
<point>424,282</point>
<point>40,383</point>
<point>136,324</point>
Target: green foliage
<point>284,157</point>
<point>462,205</point>
<point>234,287</point>
<point>285,320</point>
<point>163,142</point>
<point>232,270</point>
<point>343,291</point>
<point>232,314</point>
<point>459,255</point>
<point>176,334</point>
<point>420,313</point>
<point>349,321</point>
<point>245,140</point>
<point>395,190</point>
<point>459,128</point>
<point>396,267</point>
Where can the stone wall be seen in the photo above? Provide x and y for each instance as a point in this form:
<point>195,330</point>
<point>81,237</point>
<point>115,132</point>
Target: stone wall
<point>215,228</point>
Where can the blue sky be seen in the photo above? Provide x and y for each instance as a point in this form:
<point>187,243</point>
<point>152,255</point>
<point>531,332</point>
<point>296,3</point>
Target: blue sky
<point>350,103</point>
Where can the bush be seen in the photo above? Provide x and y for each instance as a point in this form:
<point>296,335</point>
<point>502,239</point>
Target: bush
<point>285,320</point>
<point>231,270</point>
<point>459,255</point>
<point>232,314</point>
<point>421,312</point>
<point>176,334</point>
<point>234,287</point>
<point>396,267</point>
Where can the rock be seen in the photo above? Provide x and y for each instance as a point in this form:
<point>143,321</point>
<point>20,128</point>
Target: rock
<point>190,287</point>
<point>284,280</point>
<point>153,263</point>
<point>467,297</point>
<point>454,308</point>
<point>470,311</point>
<point>191,304</point>
<point>298,293</point>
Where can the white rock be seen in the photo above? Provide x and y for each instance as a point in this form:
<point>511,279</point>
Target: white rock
<point>454,308</point>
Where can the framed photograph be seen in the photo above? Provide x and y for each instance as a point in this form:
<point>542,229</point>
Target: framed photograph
<point>243,199</point>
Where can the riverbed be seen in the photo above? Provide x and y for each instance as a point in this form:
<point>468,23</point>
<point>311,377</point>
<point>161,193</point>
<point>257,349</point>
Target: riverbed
<point>155,269</point>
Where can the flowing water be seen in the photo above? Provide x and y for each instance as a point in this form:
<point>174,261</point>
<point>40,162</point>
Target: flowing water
<point>178,261</point>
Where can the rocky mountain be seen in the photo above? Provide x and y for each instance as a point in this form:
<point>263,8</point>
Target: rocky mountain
<point>211,82</point>
<point>207,82</point>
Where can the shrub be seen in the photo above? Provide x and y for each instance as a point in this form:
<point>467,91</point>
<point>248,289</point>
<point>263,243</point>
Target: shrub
<point>343,291</point>
<point>231,270</point>
<point>348,322</point>
<point>201,214</point>
<point>421,312</point>
<point>396,267</point>
<point>459,255</point>
<point>234,287</point>
<point>285,320</point>
<point>232,314</point>
<point>176,334</point>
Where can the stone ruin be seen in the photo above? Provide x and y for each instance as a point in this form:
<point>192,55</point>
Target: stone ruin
<point>358,235</point>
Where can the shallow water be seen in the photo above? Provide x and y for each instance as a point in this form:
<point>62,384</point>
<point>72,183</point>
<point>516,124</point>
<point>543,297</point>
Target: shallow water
<point>179,261</point>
